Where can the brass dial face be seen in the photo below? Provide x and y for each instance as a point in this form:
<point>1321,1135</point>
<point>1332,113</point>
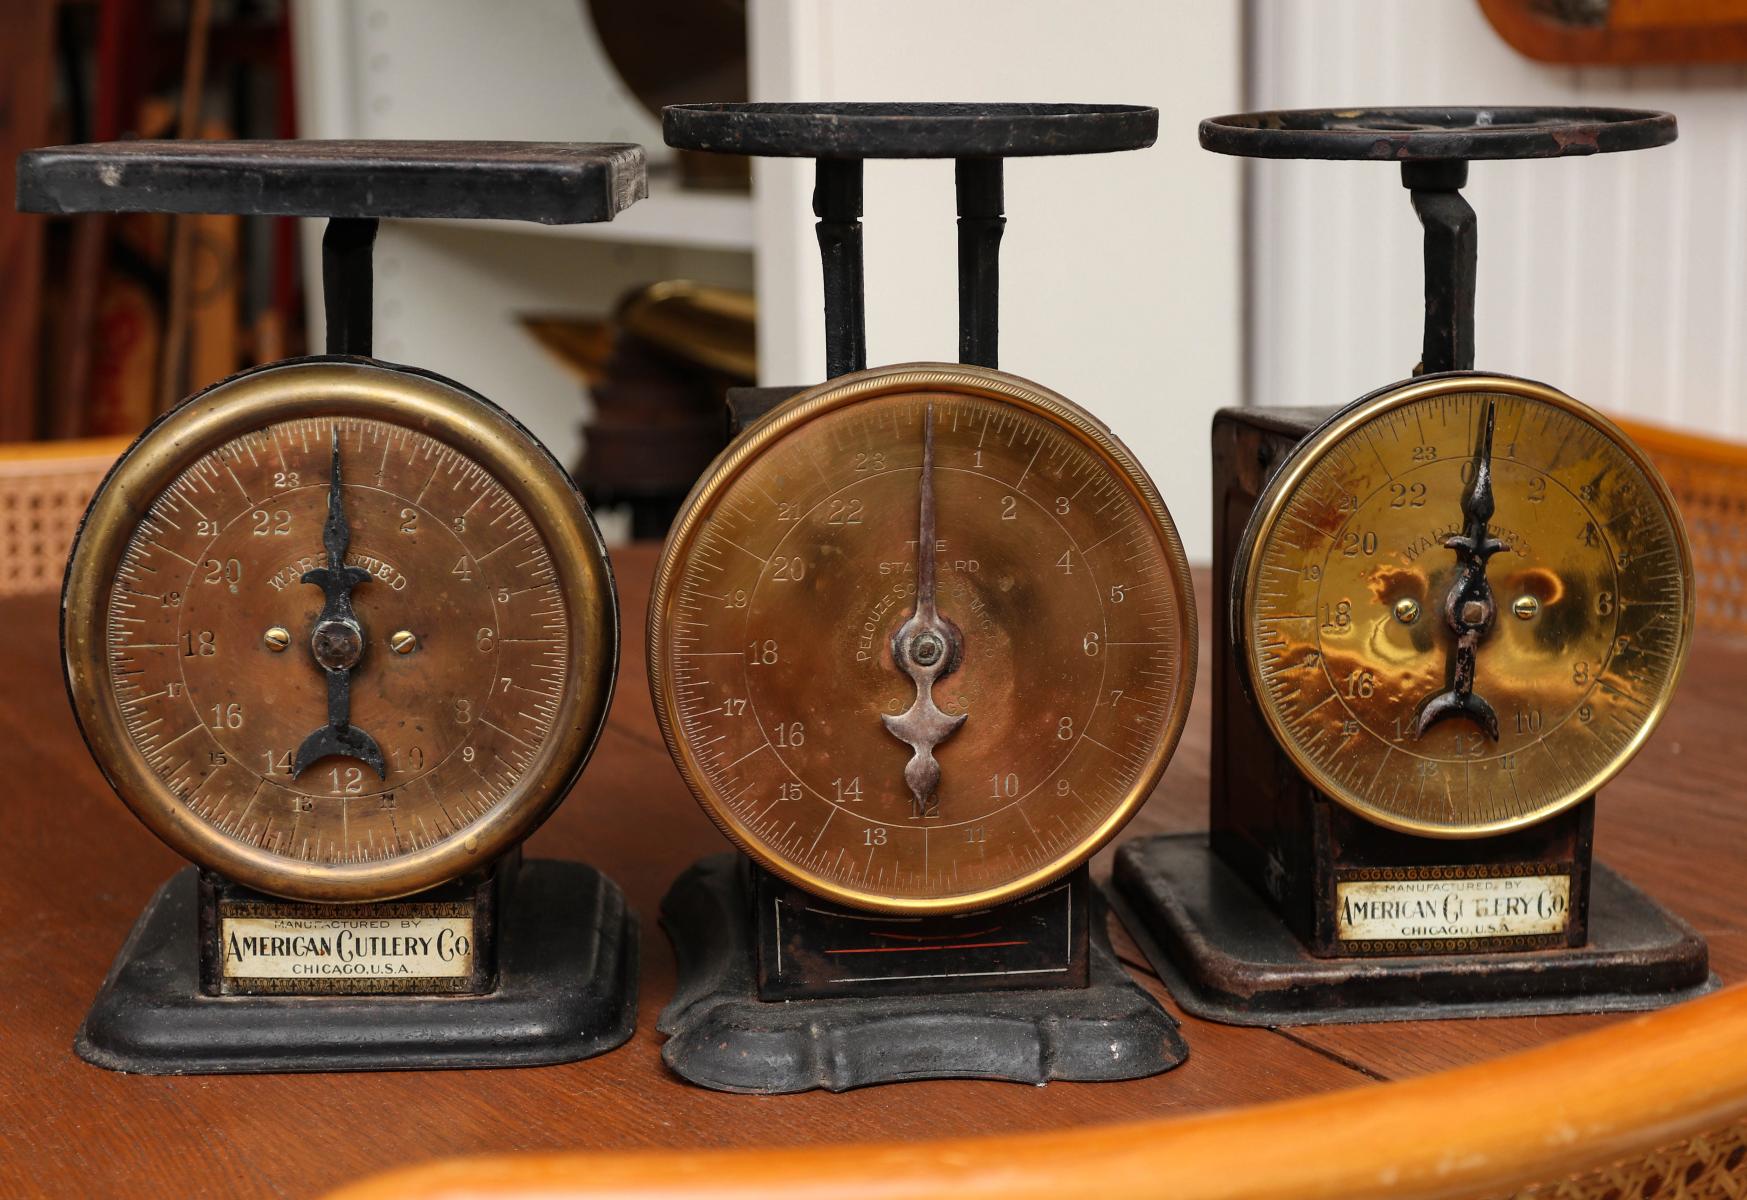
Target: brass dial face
<point>340,632</point>
<point>1442,690</point>
<point>922,732</point>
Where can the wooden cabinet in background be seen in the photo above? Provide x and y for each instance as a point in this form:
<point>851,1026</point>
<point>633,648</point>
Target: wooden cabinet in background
<point>1622,32</point>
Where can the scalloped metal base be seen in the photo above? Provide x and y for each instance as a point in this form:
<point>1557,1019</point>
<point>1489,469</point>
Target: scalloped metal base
<point>567,990</point>
<point>721,1036</point>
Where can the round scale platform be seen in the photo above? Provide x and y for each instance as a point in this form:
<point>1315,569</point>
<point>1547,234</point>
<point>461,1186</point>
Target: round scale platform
<point>1435,134</point>
<point>840,137</point>
<point>866,130</point>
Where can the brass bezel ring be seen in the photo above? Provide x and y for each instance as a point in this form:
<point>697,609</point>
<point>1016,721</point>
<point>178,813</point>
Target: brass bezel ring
<point>337,387</point>
<point>1308,454</point>
<point>842,392</point>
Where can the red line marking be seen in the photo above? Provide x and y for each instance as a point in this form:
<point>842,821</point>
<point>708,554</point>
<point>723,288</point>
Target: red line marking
<point>917,949</point>
<point>925,937</point>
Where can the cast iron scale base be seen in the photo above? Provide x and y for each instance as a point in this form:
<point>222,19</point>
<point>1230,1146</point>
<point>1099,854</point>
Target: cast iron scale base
<point>564,988</point>
<point>781,991</point>
<point>1225,954</point>
<point>554,945</point>
<point>916,1020</point>
<point>1240,921</point>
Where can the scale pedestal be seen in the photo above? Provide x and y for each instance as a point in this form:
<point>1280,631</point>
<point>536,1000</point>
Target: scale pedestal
<point>779,990</point>
<point>1226,954</point>
<point>1261,921</point>
<point>512,965</point>
<point>563,987</point>
<point>1080,1017</point>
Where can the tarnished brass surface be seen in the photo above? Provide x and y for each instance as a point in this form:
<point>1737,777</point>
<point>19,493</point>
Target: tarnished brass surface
<point>1344,574</point>
<point>188,572</point>
<point>792,567</point>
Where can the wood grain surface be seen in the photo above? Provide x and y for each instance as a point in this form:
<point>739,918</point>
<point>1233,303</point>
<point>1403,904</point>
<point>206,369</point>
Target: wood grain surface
<point>75,869</point>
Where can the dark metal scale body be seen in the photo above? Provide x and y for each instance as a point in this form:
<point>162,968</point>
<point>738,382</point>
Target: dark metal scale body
<point>1267,822</point>
<point>781,990</point>
<point>1243,922</point>
<point>554,945</point>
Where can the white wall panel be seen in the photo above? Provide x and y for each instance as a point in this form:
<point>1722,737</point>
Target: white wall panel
<point>1619,278</point>
<point>1119,273</point>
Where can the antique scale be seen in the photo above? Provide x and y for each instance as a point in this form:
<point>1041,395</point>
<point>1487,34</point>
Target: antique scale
<point>922,639</point>
<point>1445,616</point>
<point>343,634</point>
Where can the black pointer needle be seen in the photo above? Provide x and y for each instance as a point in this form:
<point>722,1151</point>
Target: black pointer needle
<point>337,642</point>
<point>1469,609</point>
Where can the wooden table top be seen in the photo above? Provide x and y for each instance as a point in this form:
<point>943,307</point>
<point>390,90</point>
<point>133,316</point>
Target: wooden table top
<point>75,869</point>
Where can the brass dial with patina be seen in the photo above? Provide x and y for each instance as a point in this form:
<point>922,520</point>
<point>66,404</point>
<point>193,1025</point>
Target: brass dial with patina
<point>339,631</point>
<point>1463,603</point>
<point>923,639</point>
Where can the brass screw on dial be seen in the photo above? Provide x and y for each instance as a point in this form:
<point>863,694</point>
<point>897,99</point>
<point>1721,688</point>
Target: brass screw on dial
<point>927,649</point>
<point>1407,610</point>
<point>403,642</point>
<point>277,638</point>
<point>1526,607</point>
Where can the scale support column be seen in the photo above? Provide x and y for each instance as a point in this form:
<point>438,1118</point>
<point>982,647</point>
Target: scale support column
<point>1452,250</point>
<point>980,225</point>
<point>837,204</point>
<point>347,282</point>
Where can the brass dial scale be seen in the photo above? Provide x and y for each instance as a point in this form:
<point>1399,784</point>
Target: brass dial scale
<point>921,641</point>
<point>1448,613</point>
<point>862,684</point>
<point>343,634</point>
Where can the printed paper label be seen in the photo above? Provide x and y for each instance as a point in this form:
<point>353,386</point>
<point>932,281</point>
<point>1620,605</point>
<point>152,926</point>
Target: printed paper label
<point>1420,909</point>
<point>347,948</point>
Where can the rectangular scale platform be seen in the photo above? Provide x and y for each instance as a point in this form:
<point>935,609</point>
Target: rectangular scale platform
<point>552,183</point>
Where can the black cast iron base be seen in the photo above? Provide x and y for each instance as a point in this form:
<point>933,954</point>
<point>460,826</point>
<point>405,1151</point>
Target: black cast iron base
<point>1227,956</point>
<point>722,1036</point>
<point>567,990</point>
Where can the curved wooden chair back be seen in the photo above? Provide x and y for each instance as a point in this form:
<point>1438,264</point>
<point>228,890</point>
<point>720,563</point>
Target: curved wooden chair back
<point>1709,480</point>
<point>44,488</point>
<point>1649,1108</point>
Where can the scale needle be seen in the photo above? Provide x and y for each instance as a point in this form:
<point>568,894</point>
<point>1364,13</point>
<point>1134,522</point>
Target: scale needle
<point>1469,609</point>
<point>337,641</point>
<point>925,647</point>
